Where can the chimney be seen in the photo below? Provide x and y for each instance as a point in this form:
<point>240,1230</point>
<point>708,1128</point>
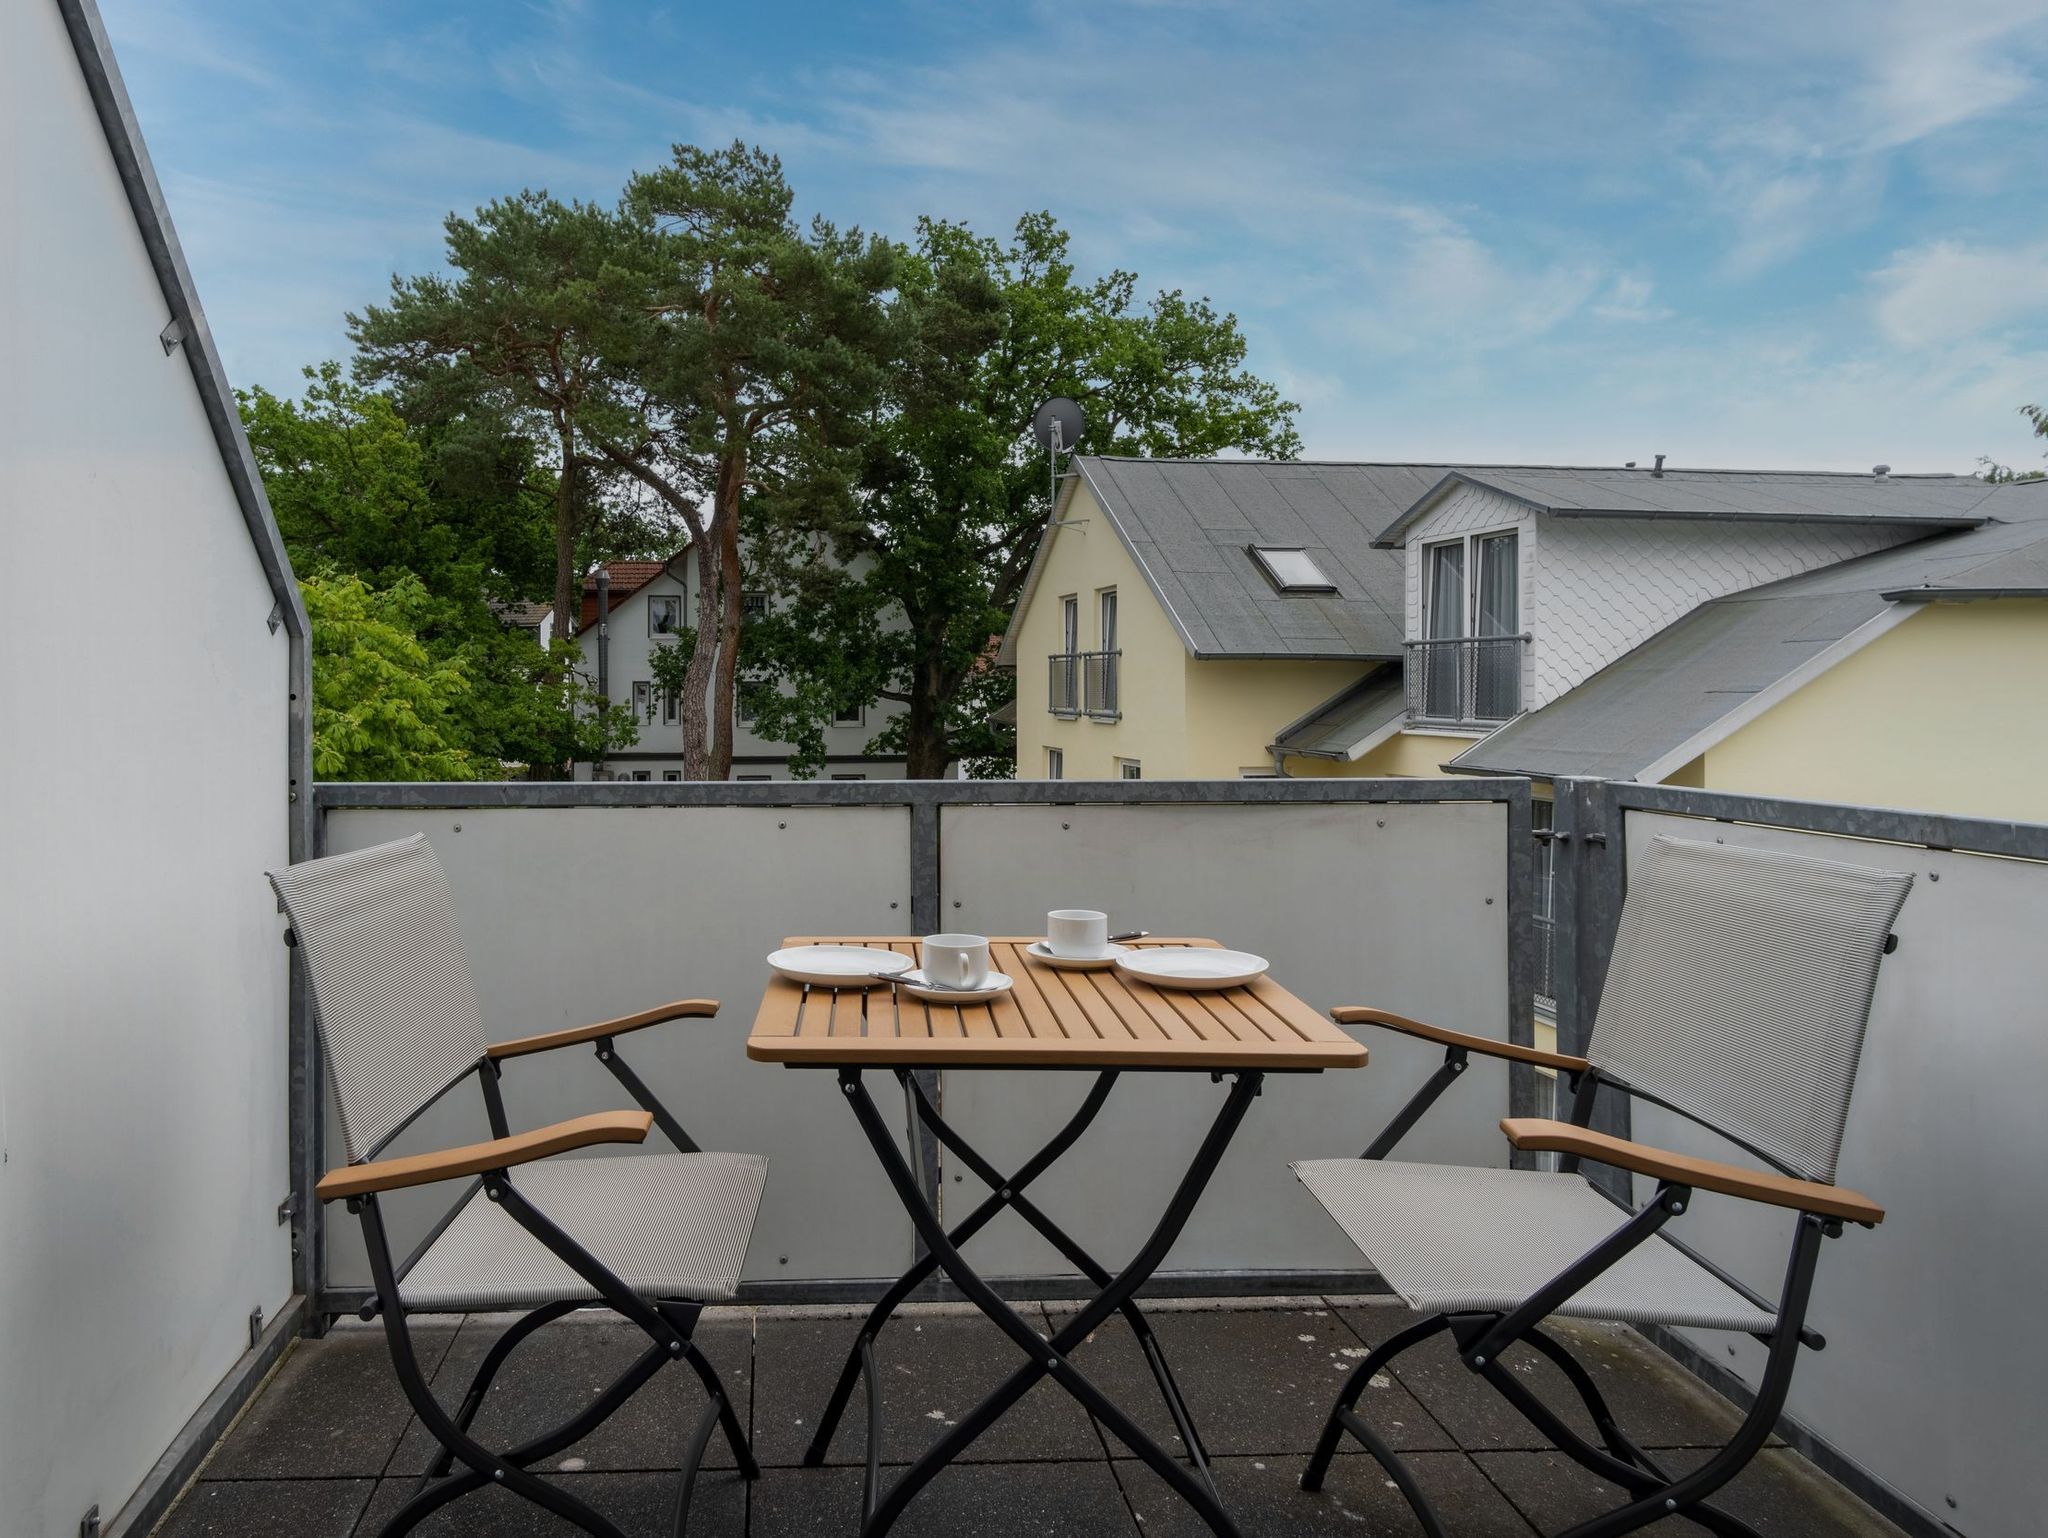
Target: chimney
<point>604,649</point>
<point>1881,472</point>
<point>1658,468</point>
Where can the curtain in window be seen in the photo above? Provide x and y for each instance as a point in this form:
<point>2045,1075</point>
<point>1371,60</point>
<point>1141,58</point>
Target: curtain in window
<point>1499,591</point>
<point>1497,670</point>
<point>1443,620</point>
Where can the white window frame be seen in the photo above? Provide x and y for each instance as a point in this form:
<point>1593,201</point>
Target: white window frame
<point>1070,624</point>
<point>643,699</point>
<point>1105,619</point>
<point>1055,763</point>
<point>671,776</point>
<point>1129,769</point>
<point>1469,581</point>
<point>858,716</point>
<point>666,601</point>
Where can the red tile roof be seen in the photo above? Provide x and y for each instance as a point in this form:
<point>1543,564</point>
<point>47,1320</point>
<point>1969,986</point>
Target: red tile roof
<point>628,577</point>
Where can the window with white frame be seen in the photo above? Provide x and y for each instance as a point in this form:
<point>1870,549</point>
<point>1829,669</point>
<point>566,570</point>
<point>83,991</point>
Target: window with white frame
<point>1055,764</point>
<point>1468,664</point>
<point>671,707</point>
<point>643,699</point>
<point>671,775</point>
<point>1127,769</point>
<point>753,606</point>
<point>664,614</point>
<point>850,717</point>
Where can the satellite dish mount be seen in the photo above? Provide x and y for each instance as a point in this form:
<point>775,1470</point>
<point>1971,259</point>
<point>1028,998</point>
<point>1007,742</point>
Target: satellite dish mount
<point>1057,426</point>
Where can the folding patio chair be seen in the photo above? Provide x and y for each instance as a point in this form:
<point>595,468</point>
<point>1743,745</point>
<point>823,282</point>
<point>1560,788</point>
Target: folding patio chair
<point>654,1237</point>
<point>1737,997</point>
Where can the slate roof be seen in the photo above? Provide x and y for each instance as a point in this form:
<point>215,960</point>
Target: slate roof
<point>1189,524</point>
<point>1351,721</point>
<point>1673,693</point>
<point>1769,496</point>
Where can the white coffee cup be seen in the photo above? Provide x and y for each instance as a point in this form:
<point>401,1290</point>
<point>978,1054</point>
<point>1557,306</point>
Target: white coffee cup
<point>956,961</point>
<point>1078,932</point>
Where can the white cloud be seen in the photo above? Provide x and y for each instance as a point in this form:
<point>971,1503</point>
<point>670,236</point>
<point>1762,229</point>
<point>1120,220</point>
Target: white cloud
<point>1628,298</point>
<point>1949,292</point>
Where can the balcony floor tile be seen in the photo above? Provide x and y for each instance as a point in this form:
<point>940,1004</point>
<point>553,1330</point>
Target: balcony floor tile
<point>1259,1376</point>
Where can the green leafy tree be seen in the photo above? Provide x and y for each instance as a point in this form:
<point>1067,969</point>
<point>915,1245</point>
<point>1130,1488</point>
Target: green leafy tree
<point>2001,475</point>
<point>457,505</point>
<point>383,708</point>
<point>516,334</point>
<point>930,551</point>
<point>748,351</point>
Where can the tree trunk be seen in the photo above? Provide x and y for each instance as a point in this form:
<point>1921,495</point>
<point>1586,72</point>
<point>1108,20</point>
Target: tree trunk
<point>927,753</point>
<point>697,672</point>
<point>725,522</point>
<point>567,588</point>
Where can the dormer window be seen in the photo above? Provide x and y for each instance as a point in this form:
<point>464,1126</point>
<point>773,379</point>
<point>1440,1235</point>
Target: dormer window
<point>1291,569</point>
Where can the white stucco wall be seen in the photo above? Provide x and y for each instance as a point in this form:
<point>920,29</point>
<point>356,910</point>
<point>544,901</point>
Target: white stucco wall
<point>660,747</point>
<point>1595,588</point>
<point>143,764</point>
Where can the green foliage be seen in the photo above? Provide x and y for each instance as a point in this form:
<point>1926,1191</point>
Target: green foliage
<point>950,495</point>
<point>2001,475</point>
<point>383,708</point>
<point>454,513</point>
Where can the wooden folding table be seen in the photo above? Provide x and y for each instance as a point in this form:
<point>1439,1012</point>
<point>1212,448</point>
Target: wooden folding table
<point>1052,1019</point>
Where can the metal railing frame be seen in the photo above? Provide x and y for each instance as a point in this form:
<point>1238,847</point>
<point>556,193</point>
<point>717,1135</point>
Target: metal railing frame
<point>1590,851</point>
<point>1084,684</point>
<point>926,802</point>
<point>1467,656</point>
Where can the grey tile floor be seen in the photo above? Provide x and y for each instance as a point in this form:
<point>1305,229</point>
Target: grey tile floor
<point>329,1448</point>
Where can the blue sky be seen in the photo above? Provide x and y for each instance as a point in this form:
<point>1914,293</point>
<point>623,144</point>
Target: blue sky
<point>1750,233</point>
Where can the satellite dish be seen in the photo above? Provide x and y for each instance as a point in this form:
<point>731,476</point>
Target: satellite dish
<point>1057,425</point>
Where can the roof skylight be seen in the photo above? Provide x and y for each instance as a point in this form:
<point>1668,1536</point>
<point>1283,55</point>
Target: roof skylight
<point>1291,570</point>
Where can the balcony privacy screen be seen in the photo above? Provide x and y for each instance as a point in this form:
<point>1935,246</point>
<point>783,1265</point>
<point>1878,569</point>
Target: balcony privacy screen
<point>391,983</point>
<point>1740,988</point>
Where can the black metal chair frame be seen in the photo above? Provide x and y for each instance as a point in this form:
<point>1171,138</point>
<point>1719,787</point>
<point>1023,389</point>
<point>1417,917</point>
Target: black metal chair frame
<point>668,1324</point>
<point>1480,1339</point>
<point>1117,1294</point>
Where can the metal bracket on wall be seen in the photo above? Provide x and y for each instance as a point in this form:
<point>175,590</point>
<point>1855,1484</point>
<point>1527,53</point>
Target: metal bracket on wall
<point>287,1210</point>
<point>255,1327</point>
<point>276,617</point>
<point>172,334</point>
<point>89,1524</point>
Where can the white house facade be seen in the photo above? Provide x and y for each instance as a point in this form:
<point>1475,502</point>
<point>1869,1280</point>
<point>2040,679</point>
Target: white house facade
<point>622,655</point>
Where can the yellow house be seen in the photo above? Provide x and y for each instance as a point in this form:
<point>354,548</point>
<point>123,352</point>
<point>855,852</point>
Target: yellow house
<point>1875,639</point>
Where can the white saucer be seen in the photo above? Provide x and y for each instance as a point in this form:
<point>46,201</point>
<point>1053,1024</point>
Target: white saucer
<point>839,966</point>
<point>914,984</point>
<point>1192,966</point>
<point>1038,950</point>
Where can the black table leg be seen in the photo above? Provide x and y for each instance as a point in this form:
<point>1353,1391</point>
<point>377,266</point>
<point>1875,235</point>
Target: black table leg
<point>1045,1358</point>
<point>1001,1195</point>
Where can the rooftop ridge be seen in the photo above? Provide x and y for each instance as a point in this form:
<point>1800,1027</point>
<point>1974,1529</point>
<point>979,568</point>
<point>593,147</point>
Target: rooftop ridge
<point>1474,464</point>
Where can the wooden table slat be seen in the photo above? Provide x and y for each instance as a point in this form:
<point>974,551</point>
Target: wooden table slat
<point>1051,1018</point>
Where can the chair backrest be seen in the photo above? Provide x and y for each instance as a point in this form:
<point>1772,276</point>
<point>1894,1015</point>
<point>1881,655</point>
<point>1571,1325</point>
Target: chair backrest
<point>391,984</point>
<point>1740,989</point>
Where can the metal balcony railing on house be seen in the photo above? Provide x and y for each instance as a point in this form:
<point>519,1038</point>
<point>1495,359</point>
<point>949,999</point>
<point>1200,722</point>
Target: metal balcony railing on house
<point>1465,680</point>
<point>1084,683</point>
<point>1099,693</point>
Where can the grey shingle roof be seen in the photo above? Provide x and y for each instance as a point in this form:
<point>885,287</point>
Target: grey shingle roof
<point>1751,495</point>
<point>1697,672</point>
<point>1373,706</point>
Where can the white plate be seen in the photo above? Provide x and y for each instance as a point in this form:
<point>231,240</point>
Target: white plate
<point>1192,966</point>
<point>915,984</point>
<point>839,966</point>
<point>1038,950</point>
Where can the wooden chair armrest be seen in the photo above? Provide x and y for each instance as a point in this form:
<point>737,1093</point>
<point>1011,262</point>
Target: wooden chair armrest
<point>1543,1136</point>
<point>547,1041</point>
<point>475,1158</point>
<point>1358,1014</point>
